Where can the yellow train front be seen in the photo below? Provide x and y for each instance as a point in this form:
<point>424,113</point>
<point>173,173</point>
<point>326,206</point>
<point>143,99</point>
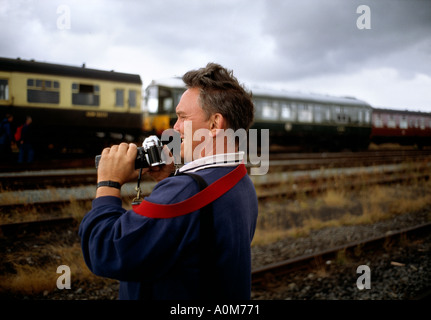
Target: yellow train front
<point>74,109</point>
<point>161,99</point>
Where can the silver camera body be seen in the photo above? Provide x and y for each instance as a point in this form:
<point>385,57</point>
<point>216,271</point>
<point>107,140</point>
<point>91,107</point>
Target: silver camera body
<point>149,155</point>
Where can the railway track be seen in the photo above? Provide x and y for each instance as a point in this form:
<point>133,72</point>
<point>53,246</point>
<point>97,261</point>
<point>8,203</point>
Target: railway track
<point>34,228</point>
<point>19,188</point>
<point>268,188</point>
<point>263,276</point>
<point>397,265</point>
<point>270,185</point>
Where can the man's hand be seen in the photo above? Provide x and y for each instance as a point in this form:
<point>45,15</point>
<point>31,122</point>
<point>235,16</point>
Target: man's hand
<point>117,163</point>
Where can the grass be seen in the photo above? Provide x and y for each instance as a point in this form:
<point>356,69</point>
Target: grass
<point>74,208</point>
<point>339,207</point>
<point>35,271</point>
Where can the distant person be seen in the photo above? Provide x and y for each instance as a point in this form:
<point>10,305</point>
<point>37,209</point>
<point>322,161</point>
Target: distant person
<point>25,142</point>
<point>6,138</point>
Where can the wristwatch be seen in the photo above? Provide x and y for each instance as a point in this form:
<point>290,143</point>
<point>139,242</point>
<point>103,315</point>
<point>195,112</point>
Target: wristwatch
<point>109,183</point>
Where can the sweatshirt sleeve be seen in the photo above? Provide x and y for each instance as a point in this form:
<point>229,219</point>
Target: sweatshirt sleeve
<point>124,245</point>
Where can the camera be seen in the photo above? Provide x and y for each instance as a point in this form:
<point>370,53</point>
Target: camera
<point>149,155</point>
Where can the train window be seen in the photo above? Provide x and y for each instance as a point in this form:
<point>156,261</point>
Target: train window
<point>352,115</point>
<point>168,105</point>
<point>403,123</point>
<point>377,119</point>
<point>367,116</point>
<point>258,108</point>
<point>276,108</point>
<point>268,112</point>
<point>422,124</point>
<point>43,91</point>
<point>119,97</point>
<point>318,113</point>
<point>85,94</point>
<point>327,114</point>
<point>286,112</point>
<point>151,99</point>
<point>391,122</point>
<point>294,108</point>
<point>166,101</point>
<point>4,89</point>
<point>132,98</point>
<point>341,115</point>
<point>305,113</point>
<point>342,118</point>
<point>177,96</point>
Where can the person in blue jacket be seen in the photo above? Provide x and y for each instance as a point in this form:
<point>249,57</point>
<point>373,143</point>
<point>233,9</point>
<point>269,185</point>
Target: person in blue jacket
<point>180,243</point>
<point>6,138</point>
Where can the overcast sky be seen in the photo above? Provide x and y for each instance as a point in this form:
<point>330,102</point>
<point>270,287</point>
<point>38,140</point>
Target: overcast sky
<point>307,45</point>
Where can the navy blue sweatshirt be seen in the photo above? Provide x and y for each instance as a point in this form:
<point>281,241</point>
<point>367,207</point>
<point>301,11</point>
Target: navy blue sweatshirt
<point>158,258</point>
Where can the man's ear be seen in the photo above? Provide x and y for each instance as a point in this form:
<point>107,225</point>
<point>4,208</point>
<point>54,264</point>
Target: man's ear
<point>217,122</point>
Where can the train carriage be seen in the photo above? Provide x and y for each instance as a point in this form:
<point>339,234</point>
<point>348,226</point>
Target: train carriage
<point>73,108</point>
<point>313,122</point>
<point>401,127</point>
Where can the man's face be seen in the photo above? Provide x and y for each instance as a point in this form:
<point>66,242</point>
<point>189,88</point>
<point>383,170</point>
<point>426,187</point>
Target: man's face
<point>189,110</point>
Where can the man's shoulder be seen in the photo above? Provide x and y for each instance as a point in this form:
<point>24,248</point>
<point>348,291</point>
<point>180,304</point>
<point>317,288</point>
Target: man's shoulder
<point>181,187</point>
<point>173,189</point>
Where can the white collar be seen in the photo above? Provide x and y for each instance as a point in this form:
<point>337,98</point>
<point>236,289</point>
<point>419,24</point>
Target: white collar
<point>217,160</point>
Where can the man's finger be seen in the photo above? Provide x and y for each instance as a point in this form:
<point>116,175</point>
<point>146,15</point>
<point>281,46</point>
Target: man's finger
<point>132,150</point>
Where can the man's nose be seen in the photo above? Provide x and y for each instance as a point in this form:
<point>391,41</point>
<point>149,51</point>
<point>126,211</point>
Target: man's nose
<point>177,126</point>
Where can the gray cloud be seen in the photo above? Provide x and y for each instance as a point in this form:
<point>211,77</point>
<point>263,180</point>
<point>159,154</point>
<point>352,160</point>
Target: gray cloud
<point>313,39</point>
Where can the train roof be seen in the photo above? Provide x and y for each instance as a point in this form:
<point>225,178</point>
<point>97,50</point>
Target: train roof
<point>308,97</point>
<point>404,112</point>
<point>272,93</point>
<point>175,82</point>
<point>32,66</point>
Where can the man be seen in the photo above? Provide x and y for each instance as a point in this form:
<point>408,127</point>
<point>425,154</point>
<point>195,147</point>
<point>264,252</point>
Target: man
<point>6,138</point>
<point>25,142</point>
<point>180,243</point>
